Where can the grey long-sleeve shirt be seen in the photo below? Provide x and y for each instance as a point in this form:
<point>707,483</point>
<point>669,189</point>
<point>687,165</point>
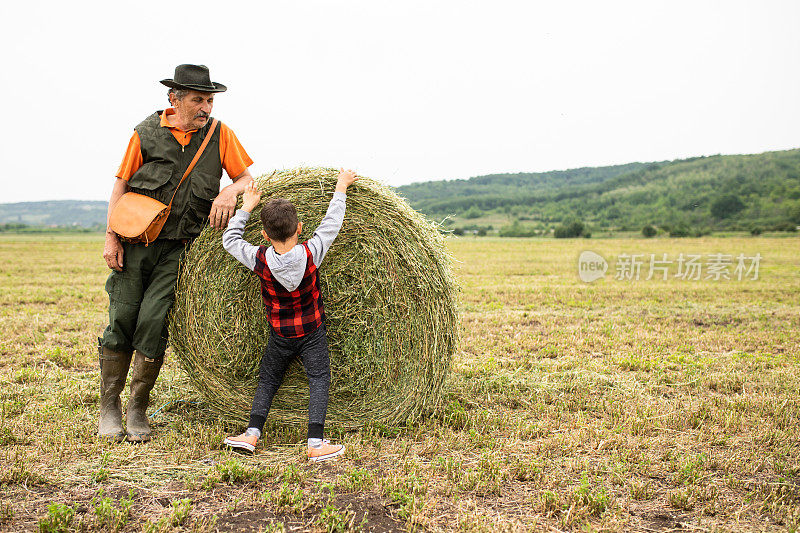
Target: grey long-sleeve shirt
<point>288,268</point>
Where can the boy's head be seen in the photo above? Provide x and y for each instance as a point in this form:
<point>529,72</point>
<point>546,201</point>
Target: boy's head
<point>279,218</point>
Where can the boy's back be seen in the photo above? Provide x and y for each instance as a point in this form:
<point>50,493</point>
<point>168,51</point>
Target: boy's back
<point>288,267</point>
<point>289,282</point>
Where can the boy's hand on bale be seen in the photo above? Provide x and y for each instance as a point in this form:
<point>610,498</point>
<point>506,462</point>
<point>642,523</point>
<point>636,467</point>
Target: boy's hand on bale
<point>346,178</point>
<point>251,197</point>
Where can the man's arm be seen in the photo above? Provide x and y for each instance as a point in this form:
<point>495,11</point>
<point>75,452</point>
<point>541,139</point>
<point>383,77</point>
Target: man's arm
<point>224,204</point>
<point>112,251</point>
<point>131,162</point>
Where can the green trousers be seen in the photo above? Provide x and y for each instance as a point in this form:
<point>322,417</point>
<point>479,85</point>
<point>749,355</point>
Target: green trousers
<point>141,296</point>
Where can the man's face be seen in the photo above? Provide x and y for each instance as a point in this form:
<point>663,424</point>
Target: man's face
<point>194,109</point>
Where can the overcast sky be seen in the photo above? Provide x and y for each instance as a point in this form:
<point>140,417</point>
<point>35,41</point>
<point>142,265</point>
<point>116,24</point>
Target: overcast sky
<point>400,91</point>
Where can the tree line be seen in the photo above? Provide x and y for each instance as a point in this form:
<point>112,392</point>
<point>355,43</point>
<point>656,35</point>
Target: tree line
<point>692,196</point>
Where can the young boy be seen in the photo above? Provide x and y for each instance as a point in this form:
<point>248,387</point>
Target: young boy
<point>290,289</point>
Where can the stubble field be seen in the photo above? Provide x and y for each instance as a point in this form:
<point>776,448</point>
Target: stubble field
<point>621,405</point>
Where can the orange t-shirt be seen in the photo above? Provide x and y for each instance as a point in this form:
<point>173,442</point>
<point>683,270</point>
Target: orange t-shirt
<point>234,159</point>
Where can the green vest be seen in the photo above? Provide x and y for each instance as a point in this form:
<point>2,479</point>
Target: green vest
<point>164,162</point>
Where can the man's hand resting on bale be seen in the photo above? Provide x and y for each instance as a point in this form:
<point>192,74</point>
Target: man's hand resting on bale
<point>223,208</point>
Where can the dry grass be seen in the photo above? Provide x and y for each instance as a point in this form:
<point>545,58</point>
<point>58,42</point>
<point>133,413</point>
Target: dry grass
<point>389,299</point>
<point>617,406</point>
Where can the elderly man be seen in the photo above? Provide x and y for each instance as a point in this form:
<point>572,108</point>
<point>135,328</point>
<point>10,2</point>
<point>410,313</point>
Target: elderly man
<point>141,286</point>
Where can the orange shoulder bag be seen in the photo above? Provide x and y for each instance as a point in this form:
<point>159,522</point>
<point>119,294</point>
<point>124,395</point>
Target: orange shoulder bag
<point>139,218</point>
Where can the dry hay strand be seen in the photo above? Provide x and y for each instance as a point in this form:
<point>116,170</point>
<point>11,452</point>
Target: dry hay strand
<point>389,297</point>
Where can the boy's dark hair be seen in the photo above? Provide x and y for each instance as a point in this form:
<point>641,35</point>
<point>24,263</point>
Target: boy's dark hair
<point>279,218</point>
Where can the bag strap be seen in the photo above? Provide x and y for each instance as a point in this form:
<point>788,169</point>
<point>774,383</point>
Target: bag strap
<point>196,157</point>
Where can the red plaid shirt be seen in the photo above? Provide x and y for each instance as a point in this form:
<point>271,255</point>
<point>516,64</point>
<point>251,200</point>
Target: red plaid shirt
<point>291,313</point>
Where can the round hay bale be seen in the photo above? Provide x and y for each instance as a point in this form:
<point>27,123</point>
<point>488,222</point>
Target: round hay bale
<point>389,299</point>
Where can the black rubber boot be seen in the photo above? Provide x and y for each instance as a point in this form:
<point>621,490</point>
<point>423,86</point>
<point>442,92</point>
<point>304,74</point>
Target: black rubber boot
<point>145,373</point>
<point>113,371</point>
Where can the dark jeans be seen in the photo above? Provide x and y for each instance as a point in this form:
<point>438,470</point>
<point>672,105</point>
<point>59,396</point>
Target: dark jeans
<point>313,351</point>
<point>140,297</point>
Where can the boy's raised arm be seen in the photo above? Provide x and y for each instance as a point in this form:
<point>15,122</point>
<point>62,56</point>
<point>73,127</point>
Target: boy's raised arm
<point>232,239</point>
<point>328,229</point>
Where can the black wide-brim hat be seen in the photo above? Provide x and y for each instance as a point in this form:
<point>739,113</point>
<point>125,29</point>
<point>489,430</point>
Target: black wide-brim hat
<point>194,77</point>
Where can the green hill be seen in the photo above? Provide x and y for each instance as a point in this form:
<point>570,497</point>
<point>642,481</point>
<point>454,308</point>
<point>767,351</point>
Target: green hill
<point>731,192</point>
<point>495,190</point>
<point>56,213</point>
